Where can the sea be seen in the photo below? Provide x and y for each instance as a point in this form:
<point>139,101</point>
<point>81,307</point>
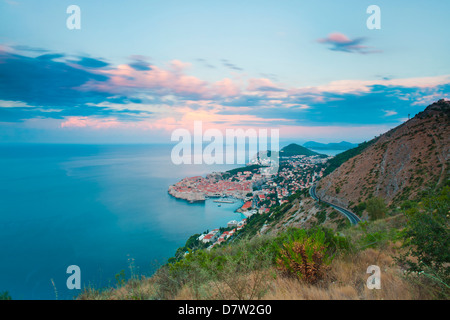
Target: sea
<point>103,208</point>
<point>328,152</point>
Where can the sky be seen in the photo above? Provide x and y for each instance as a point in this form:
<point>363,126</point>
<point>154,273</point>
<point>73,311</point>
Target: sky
<point>138,70</point>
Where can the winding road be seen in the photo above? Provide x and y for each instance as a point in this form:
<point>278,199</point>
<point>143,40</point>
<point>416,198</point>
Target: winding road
<point>354,219</point>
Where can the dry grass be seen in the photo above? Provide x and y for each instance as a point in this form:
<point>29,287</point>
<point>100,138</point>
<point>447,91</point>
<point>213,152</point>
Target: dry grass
<point>252,286</point>
<point>291,289</point>
<point>142,289</point>
<point>347,278</point>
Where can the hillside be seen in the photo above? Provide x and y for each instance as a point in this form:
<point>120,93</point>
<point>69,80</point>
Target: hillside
<point>296,150</point>
<point>397,165</point>
<point>342,157</point>
<point>266,259</point>
<point>310,263</point>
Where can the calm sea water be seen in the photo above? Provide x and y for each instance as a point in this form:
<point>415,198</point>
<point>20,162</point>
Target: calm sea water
<point>328,152</point>
<point>94,206</point>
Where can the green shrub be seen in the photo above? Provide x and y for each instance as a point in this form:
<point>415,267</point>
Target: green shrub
<point>305,257</point>
<point>376,208</point>
<point>334,214</point>
<point>375,239</point>
<point>5,295</point>
<point>120,278</point>
<point>236,272</point>
<point>360,207</point>
<point>321,216</point>
<point>427,238</point>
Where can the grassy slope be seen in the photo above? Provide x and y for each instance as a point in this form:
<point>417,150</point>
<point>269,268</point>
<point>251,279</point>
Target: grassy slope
<point>257,277</point>
<point>247,269</point>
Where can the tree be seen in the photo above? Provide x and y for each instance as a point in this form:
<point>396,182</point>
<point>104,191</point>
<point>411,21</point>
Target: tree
<point>376,207</point>
<point>427,237</point>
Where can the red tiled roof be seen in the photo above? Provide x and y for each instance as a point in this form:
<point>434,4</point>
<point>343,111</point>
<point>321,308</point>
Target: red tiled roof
<point>247,205</point>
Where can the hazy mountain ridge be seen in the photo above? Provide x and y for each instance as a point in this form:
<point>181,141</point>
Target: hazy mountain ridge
<point>343,145</point>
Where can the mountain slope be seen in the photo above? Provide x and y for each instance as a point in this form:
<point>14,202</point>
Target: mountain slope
<point>340,158</point>
<point>397,165</point>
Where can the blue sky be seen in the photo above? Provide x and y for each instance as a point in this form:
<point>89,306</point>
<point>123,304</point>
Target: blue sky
<point>137,70</point>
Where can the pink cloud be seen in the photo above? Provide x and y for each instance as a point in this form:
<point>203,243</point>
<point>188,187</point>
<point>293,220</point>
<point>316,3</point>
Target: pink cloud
<point>226,88</point>
<point>256,83</point>
<point>164,81</point>
<point>362,86</point>
<point>179,66</point>
<point>88,122</point>
<point>335,37</point>
<point>125,77</point>
<point>267,88</point>
<point>340,42</point>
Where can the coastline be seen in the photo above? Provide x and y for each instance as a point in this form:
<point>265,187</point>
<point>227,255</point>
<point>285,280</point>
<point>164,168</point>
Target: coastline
<point>191,197</point>
<point>214,185</point>
<point>202,198</point>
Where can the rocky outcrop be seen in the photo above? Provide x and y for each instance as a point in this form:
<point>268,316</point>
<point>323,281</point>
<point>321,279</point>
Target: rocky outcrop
<point>189,196</point>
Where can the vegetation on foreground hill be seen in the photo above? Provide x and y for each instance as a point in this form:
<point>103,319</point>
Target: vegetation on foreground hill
<point>410,246</point>
<point>376,208</point>
<point>5,295</point>
<point>427,238</point>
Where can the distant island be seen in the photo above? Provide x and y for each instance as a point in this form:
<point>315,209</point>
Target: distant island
<point>343,145</point>
<point>296,150</point>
